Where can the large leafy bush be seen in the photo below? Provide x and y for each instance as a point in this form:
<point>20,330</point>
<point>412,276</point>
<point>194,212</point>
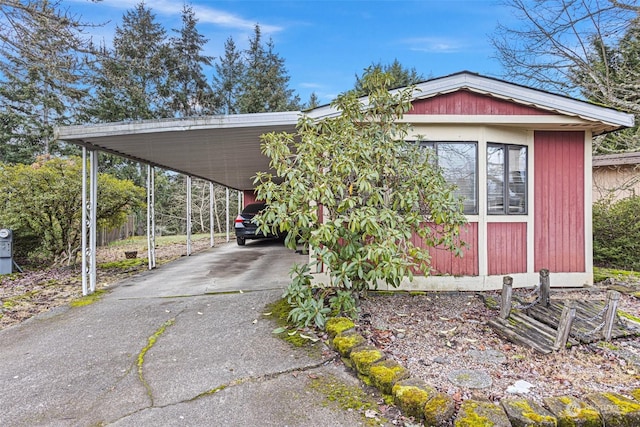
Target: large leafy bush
<point>42,203</point>
<point>616,233</point>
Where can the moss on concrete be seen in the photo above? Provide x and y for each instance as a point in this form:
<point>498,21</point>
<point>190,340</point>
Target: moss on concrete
<point>616,410</point>
<point>439,409</point>
<point>411,396</point>
<point>346,397</point>
<point>364,357</point>
<point>635,393</point>
<point>347,341</point>
<point>573,412</point>
<point>522,412</point>
<point>384,374</point>
<point>474,413</point>
<point>87,299</point>
<point>336,325</point>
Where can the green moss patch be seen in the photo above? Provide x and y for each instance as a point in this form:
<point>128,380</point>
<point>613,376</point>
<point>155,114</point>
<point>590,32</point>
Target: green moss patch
<point>635,394</point>
<point>88,299</point>
<point>616,409</point>
<point>628,316</point>
<point>364,357</point>
<point>571,412</point>
<point>411,396</point>
<point>336,325</point>
<point>346,397</point>
<point>347,341</point>
<point>474,413</point>
<point>278,311</point>
<point>384,374</point>
<point>527,413</point>
<point>439,409</point>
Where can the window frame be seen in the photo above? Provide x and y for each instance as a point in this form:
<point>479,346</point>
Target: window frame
<point>505,179</point>
<point>434,146</point>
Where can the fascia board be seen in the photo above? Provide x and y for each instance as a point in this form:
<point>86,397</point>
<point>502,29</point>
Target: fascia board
<point>507,91</point>
<point>79,132</point>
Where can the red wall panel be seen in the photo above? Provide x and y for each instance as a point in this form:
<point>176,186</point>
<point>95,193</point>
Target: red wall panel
<point>507,247</point>
<point>464,102</point>
<point>559,201</point>
<point>249,197</point>
<point>445,262</point>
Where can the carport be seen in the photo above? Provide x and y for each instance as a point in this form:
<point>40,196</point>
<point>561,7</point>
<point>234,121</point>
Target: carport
<point>222,149</point>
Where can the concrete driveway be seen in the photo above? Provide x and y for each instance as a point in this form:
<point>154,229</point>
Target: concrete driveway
<point>177,346</point>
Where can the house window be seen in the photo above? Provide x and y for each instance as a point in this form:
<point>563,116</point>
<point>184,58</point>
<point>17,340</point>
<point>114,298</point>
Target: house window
<point>506,179</point>
<point>458,162</point>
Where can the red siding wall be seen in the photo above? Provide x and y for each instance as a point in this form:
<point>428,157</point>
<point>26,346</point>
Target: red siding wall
<point>249,197</point>
<point>445,262</point>
<point>464,102</point>
<point>559,201</point>
<point>507,247</point>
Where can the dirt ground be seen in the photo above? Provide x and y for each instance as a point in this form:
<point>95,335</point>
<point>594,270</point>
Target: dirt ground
<point>439,334</point>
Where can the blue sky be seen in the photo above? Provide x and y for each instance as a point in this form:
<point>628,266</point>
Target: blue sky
<point>325,43</point>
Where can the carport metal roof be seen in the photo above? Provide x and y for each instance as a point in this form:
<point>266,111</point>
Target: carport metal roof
<point>224,149</point>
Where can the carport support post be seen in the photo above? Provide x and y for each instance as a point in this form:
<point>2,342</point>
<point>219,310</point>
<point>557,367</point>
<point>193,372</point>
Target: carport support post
<point>89,220</point>
<point>151,216</point>
<point>188,215</point>
<point>211,222</point>
<point>227,211</point>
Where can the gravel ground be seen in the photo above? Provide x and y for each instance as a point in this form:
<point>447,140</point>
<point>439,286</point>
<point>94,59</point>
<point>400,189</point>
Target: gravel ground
<point>435,334</point>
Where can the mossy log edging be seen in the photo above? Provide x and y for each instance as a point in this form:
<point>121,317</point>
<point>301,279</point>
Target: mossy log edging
<point>417,399</point>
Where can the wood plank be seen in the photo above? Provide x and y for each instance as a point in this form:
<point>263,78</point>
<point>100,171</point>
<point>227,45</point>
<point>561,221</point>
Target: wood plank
<point>584,324</point>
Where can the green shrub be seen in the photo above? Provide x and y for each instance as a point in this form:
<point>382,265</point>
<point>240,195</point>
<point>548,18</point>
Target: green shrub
<point>616,233</point>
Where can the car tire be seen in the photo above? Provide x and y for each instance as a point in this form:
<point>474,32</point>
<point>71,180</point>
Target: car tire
<point>241,241</point>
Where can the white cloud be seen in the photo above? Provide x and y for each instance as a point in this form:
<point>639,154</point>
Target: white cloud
<point>434,44</point>
<point>203,13</point>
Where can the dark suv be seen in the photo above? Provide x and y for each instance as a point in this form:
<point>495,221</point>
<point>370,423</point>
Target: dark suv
<point>246,228</point>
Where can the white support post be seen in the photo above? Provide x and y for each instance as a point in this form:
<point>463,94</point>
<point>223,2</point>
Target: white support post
<point>211,219</point>
<point>188,215</point>
<point>227,212</point>
<point>85,270</point>
<point>93,220</point>
<point>151,216</point>
<point>239,202</point>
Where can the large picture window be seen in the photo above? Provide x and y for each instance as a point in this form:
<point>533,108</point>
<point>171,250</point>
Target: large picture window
<point>458,162</point>
<point>506,179</point>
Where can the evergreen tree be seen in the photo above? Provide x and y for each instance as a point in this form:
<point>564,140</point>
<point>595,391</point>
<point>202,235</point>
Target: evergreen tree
<point>228,81</point>
<point>41,76</point>
<point>313,102</point>
<point>400,76</point>
<point>615,81</point>
<point>191,94</point>
<point>265,85</point>
<point>132,80</point>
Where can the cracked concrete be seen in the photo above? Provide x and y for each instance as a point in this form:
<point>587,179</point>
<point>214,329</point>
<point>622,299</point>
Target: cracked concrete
<point>175,346</point>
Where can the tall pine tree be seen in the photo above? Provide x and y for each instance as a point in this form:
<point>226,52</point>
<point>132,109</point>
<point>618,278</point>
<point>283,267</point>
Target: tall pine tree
<point>41,76</point>
<point>190,92</point>
<point>227,82</point>
<point>132,79</point>
<point>265,84</point>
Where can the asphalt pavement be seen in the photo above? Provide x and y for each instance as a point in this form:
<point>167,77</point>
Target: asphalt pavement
<point>186,344</point>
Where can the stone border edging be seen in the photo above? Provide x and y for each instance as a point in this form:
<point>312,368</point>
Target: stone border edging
<point>417,399</point>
